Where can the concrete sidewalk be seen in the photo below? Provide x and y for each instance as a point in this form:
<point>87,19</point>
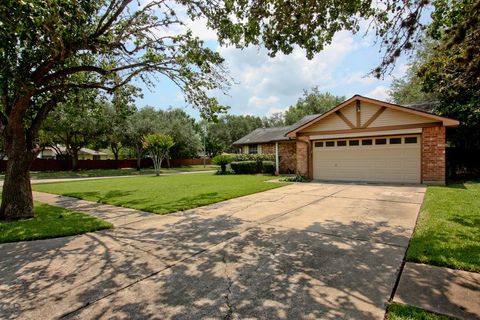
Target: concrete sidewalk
<point>118,216</point>
<point>442,290</point>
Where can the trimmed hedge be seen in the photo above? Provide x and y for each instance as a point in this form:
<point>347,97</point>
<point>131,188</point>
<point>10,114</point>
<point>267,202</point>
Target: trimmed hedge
<point>268,167</point>
<point>253,157</point>
<point>244,167</point>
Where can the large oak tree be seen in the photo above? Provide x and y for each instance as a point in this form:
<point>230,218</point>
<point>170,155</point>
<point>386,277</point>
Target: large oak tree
<point>44,45</point>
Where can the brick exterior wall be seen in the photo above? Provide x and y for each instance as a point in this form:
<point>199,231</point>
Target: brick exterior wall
<point>268,148</point>
<point>433,155</point>
<point>287,153</point>
<point>302,155</point>
<point>288,157</point>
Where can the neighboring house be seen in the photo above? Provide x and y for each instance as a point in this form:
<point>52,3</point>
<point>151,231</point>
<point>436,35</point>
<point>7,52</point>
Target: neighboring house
<point>83,154</point>
<point>361,139</point>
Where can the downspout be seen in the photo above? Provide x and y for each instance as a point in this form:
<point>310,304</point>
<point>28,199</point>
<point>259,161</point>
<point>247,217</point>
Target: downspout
<point>277,170</point>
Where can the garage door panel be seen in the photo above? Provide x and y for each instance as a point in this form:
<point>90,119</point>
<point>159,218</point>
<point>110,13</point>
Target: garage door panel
<point>376,163</point>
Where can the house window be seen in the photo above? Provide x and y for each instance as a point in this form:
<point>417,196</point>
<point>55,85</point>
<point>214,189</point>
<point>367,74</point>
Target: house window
<point>353,143</point>
<point>319,144</point>
<point>330,144</point>
<point>341,143</point>
<point>395,140</point>
<point>253,149</point>
<point>367,142</point>
<point>381,141</point>
<point>96,157</point>
<point>410,139</point>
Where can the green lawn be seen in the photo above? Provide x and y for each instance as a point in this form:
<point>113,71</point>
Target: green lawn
<point>404,312</point>
<point>163,194</point>
<point>448,228</point>
<point>50,222</point>
<point>114,172</point>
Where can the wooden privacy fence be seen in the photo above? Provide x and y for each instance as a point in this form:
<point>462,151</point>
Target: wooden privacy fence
<point>62,165</point>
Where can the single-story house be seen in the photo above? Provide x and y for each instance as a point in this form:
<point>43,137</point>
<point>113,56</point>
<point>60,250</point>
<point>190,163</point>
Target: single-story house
<point>83,154</point>
<point>361,139</point>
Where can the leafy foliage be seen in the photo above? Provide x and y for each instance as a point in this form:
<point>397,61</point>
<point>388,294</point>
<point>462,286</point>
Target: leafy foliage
<point>244,167</point>
<point>157,145</point>
<point>448,69</point>
<point>221,134</point>
<point>268,167</point>
<point>222,160</point>
<point>295,178</point>
<point>312,102</point>
<point>181,127</point>
<point>79,121</point>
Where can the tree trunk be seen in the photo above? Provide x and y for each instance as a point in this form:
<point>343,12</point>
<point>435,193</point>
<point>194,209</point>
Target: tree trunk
<point>139,158</point>
<point>75,161</point>
<point>17,200</point>
<point>115,151</point>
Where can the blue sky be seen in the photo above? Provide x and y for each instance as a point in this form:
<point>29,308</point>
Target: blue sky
<point>266,85</point>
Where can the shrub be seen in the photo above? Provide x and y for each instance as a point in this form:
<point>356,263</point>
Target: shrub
<point>295,178</point>
<point>222,160</point>
<point>268,167</point>
<point>253,157</point>
<point>244,167</point>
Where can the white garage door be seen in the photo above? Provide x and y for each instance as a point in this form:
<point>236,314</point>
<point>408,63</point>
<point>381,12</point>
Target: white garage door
<point>371,159</point>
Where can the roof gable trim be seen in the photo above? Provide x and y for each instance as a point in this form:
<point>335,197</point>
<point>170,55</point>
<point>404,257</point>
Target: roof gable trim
<point>445,121</point>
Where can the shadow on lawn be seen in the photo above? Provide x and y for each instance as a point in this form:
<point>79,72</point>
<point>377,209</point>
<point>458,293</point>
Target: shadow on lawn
<point>197,267</point>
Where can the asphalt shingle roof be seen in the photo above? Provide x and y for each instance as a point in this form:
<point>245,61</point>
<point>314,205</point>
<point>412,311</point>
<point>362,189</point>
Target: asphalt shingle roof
<point>268,135</point>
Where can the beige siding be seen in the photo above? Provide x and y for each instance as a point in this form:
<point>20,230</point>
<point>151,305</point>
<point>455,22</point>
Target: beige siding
<point>350,112</point>
<point>391,117</point>
<point>332,122</point>
<point>368,110</point>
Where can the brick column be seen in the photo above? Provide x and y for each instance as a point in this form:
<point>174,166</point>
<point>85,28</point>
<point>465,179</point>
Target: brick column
<point>302,156</point>
<point>433,155</point>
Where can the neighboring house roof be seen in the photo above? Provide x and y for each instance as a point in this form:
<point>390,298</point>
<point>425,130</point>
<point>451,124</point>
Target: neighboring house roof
<point>268,135</point>
<point>427,106</point>
<point>264,135</point>
<point>84,151</point>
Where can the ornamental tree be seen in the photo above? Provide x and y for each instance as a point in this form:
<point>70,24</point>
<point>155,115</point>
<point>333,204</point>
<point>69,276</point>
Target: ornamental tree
<point>157,146</point>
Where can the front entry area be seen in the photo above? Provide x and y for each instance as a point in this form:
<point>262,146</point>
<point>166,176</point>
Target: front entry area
<point>390,159</point>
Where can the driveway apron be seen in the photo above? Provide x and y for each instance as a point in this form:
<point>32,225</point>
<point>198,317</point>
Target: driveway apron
<point>316,250</point>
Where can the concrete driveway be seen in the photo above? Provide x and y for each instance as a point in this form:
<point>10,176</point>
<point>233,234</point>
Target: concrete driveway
<point>310,251</point>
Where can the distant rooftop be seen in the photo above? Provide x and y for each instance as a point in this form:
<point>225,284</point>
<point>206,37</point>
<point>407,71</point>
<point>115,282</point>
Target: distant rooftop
<point>427,106</point>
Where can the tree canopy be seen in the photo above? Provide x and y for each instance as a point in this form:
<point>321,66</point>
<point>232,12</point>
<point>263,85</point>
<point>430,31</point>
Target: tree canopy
<point>312,102</point>
<point>448,69</point>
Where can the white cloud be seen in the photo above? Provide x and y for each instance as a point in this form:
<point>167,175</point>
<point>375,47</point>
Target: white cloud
<point>274,110</point>
<point>256,102</point>
<point>379,92</point>
<point>265,82</point>
<point>199,28</point>
<point>360,78</point>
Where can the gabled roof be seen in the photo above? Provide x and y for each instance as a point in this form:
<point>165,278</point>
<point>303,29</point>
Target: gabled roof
<point>447,122</point>
<point>268,135</point>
